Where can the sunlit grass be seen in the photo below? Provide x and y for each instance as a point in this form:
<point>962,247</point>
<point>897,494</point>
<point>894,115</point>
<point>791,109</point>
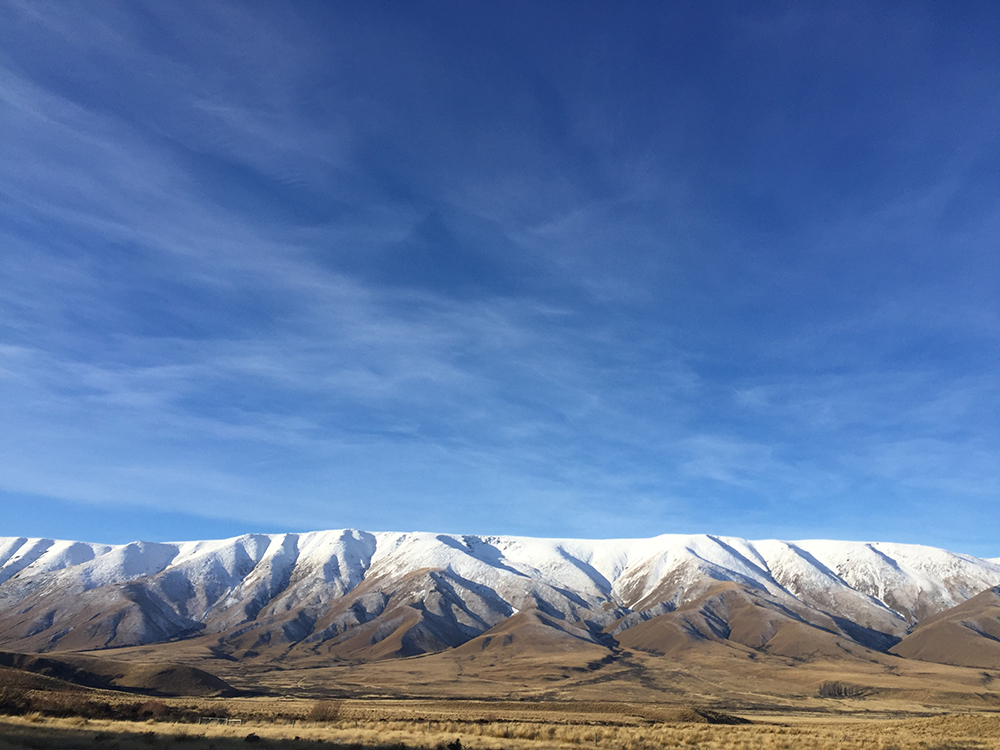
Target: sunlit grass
<point>35,732</point>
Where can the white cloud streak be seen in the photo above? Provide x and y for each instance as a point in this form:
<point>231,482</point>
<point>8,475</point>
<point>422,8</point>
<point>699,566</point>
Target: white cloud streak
<point>167,347</point>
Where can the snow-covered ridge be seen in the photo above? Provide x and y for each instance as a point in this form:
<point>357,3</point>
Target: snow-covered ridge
<point>328,582</point>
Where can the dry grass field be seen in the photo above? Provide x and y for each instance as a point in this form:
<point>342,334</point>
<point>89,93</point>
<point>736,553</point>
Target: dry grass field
<point>722,680</point>
<point>463,731</point>
<point>709,675</point>
<point>634,701</point>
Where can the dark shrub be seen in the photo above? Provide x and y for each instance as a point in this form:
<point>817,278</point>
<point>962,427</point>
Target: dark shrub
<point>324,711</point>
<point>13,700</point>
<point>153,710</point>
<point>843,690</point>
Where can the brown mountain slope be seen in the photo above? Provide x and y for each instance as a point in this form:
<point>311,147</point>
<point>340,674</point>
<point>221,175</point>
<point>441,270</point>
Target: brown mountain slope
<point>425,611</point>
<point>967,635</point>
<point>17,680</point>
<point>109,674</point>
<point>427,617</point>
<point>108,617</point>
<point>531,631</point>
<point>745,619</point>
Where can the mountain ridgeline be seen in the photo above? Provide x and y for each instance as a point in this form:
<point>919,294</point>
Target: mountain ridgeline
<point>359,596</point>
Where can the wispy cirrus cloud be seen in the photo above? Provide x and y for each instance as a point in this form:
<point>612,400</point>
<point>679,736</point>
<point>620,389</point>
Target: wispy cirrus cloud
<point>324,266</point>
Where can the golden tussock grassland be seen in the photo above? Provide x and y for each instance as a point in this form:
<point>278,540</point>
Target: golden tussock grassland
<point>324,725</point>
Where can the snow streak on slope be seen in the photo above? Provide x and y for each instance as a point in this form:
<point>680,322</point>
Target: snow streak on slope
<point>406,593</point>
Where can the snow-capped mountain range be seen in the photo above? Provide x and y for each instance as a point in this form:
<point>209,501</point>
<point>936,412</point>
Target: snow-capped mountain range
<point>360,595</point>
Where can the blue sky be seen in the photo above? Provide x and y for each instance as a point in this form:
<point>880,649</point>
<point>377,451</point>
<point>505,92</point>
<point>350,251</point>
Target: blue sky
<point>567,269</point>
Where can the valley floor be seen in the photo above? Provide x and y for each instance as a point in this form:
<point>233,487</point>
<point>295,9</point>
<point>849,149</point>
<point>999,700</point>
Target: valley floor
<point>710,676</point>
<point>626,700</point>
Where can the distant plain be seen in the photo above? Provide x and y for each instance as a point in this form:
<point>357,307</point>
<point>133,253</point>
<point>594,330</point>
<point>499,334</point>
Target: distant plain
<point>715,698</point>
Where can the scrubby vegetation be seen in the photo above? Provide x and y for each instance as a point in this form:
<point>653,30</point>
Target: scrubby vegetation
<point>17,701</point>
<point>325,711</point>
<point>81,717</point>
<point>970,732</point>
<point>836,689</point>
